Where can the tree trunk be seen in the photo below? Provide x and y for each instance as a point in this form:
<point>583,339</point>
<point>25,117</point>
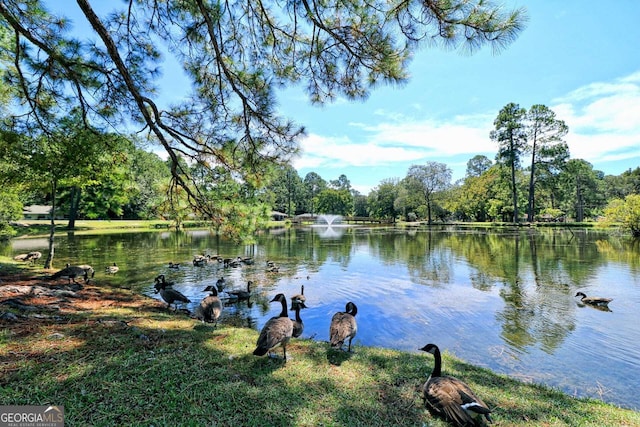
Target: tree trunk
<point>532,184</point>
<point>579,202</point>
<point>73,209</point>
<point>514,193</point>
<point>48,264</point>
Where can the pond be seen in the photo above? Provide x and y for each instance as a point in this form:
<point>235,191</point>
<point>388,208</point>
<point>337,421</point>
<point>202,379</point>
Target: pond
<point>502,298</point>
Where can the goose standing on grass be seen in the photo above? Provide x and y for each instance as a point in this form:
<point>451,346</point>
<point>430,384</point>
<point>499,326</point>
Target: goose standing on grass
<point>168,294</point>
<point>71,272</point>
<point>599,301</point>
<point>242,295</point>
<point>450,398</point>
<point>298,326</point>
<point>299,297</point>
<point>343,326</point>
<point>112,269</point>
<point>276,332</point>
<point>210,307</point>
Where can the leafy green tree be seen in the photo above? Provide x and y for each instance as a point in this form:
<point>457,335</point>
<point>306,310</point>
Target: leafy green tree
<point>548,151</point>
<point>313,185</point>
<point>235,55</point>
<point>583,192</point>
<point>360,206</point>
<point>620,186</point>
<point>149,173</point>
<point>625,211</point>
<point>428,180</point>
<point>382,199</point>
<point>511,135</point>
<point>10,210</point>
<point>478,165</point>
<point>286,189</point>
<point>332,201</point>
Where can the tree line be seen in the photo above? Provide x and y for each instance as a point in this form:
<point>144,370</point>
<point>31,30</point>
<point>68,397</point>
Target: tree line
<point>74,172</point>
<point>551,186</point>
<point>78,107</point>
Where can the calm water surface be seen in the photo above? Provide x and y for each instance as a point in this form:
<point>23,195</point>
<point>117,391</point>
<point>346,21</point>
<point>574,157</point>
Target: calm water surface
<point>502,299</point>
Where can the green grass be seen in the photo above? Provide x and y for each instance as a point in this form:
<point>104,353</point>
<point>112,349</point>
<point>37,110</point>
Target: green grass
<point>129,361</point>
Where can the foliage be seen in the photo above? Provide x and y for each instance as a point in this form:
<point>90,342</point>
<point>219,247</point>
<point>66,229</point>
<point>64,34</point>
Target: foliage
<point>548,150</point>
<point>10,210</point>
<point>332,201</point>
<point>627,212</point>
<point>511,135</point>
<point>383,200</point>
<point>428,180</point>
<point>234,56</point>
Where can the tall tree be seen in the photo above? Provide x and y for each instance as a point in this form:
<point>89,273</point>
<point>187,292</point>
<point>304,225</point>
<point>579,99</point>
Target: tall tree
<point>236,55</point>
<point>382,200</point>
<point>511,135</point>
<point>313,184</point>
<point>582,185</point>
<point>429,179</point>
<point>547,148</point>
<point>478,165</point>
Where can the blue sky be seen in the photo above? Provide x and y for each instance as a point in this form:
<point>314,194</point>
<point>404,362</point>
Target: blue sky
<point>581,58</point>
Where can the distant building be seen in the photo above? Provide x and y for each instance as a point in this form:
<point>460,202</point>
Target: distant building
<point>278,216</point>
<point>38,212</point>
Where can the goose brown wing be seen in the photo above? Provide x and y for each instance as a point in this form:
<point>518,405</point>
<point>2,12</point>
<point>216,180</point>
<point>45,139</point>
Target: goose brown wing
<point>343,325</point>
<point>276,331</point>
<point>447,395</point>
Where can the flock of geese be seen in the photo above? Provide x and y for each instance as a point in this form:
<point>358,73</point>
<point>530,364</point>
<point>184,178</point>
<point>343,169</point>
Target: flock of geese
<point>444,396</point>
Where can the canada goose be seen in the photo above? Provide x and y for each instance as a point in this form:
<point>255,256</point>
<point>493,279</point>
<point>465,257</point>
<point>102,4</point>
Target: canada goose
<point>200,260</point>
<point>71,272</point>
<point>168,294</point>
<point>277,331</point>
<point>451,398</point>
<point>90,270</point>
<point>243,295</point>
<point>247,260</point>
<point>32,257</point>
<point>210,307</point>
<point>232,262</point>
<point>343,326</point>
<point>299,297</point>
<point>220,284</point>
<point>599,301</point>
<point>112,269</point>
<point>174,266</point>
<point>298,326</point>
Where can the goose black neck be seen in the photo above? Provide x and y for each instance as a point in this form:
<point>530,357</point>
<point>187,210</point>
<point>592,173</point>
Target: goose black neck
<point>298,319</point>
<point>284,312</point>
<point>437,364</point>
<point>353,310</point>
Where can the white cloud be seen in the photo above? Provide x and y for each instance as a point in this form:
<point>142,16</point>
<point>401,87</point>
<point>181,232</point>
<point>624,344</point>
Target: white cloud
<point>602,119</point>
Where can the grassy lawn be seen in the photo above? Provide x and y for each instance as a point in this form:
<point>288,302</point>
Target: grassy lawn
<point>112,357</point>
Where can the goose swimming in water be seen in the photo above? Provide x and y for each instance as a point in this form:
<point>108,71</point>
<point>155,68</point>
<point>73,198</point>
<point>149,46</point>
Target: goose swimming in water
<point>599,301</point>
